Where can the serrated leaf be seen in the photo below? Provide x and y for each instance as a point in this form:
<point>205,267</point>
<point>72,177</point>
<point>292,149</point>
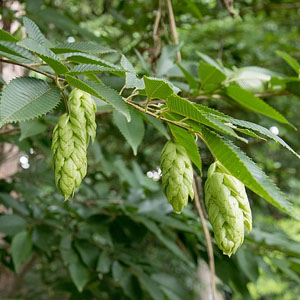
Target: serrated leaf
<point>5,36</point>
<point>33,31</point>
<point>31,128</point>
<point>243,168</point>
<point>79,274</point>
<point>103,92</point>
<point>254,103</point>
<point>188,109</point>
<point>126,65</point>
<point>187,140</point>
<point>132,131</point>
<point>292,62</point>
<point>131,79</point>
<point>27,98</point>
<point>210,76</point>
<point>15,58</point>
<point>157,88</point>
<point>81,47</point>
<point>90,59</point>
<point>249,125</point>
<point>14,49</point>
<point>90,69</point>
<point>250,133</point>
<point>45,54</point>
<point>21,247</point>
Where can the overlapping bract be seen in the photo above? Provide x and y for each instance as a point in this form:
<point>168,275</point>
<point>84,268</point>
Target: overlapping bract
<point>177,175</point>
<point>83,106</point>
<point>70,139</point>
<point>228,208</point>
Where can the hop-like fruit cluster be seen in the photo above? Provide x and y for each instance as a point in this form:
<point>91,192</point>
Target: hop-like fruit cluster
<point>228,208</point>
<point>70,139</point>
<point>177,175</point>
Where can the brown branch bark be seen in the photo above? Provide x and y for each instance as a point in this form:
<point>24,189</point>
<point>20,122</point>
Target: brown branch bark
<point>210,250</point>
<point>173,27</point>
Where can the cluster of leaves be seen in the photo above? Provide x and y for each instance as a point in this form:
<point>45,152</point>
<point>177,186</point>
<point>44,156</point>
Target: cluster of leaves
<point>112,232</point>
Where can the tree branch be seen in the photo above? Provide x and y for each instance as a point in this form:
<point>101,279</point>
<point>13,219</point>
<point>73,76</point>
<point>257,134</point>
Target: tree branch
<point>53,77</point>
<point>173,27</point>
<point>207,237</point>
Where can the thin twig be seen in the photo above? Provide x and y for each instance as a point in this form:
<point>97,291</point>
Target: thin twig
<point>208,239</point>
<point>9,130</point>
<point>148,112</point>
<point>63,94</point>
<point>173,27</point>
<point>53,77</point>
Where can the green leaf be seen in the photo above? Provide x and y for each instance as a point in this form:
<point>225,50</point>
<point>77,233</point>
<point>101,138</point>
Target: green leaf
<point>12,224</point>
<point>188,109</point>
<point>254,103</point>
<point>27,98</point>
<point>150,285</point>
<point>79,274</point>
<point>131,80</point>
<point>31,128</point>
<point>133,131</point>
<point>283,265</point>
<point>248,262</point>
<point>209,61</point>
<point>45,54</point>
<point>43,237</point>
<point>21,247</point>
<point>252,79</point>
<point>5,36</point>
<point>167,59</point>
<point>103,92</point>
<point>90,59</point>
<point>124,278</point>
<point>187,140</point>
<point>68,254</point>
<point>248,125</point>
<point>157,88</point>
<point>172,246</point>
<point>91,69</point>
<point>292,62</point>
<point>158,124</point>
<point>81,47</point>
<point>244,169</point>
<point>210,76</point>
<point>15,58</point>
<point>193,84</point>
<point>33,31</point>
<point>17,206</point>
<point>88,252</point>
<point>14,50</point>
<point>104,262</point>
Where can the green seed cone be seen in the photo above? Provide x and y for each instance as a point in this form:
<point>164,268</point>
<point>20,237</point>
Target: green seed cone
<point>177,175</point>
<point>83,106</point>
<point>69,153</point>
<point>70,139</point>
<point>228,208</point>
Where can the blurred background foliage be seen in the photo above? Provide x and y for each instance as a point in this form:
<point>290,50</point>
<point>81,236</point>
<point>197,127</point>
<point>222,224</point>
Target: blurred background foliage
<point>118,239</point>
